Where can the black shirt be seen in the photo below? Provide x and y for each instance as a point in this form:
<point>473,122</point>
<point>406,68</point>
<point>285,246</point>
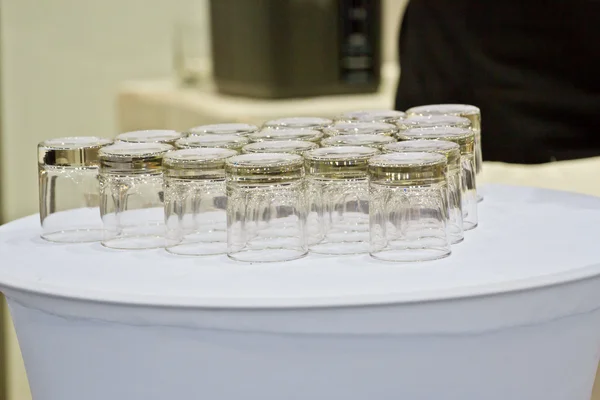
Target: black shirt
<point>532,66</point>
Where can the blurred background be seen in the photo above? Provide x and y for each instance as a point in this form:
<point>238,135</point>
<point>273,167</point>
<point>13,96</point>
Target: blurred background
<point>73,68</point>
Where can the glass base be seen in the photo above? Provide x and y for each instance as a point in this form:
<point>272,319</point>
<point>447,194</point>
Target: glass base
<point>455,239</point>
<point>468,225</point>
<point>74,236</point>
<point>267,255</point>
<point>411,254</point>
<point>198,249</point>
<point>339,248</point>
<point>455,233</point>
<point>140,242</point>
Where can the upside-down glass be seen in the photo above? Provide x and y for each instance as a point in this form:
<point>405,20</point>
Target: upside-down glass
<point>195,201</point>
<point>280,146</point>
<point>468,111</point>
<point>389,116</point>
<point>365,140</point>
<point>466,141</point>
<point>338,198</point>
<point>361,128</point>
<point>316,123</point>
<point>309,135</point>
<point>432,121</point>
<point>225,141</point>
<point>68,189</point>
<point>223,129</point>
<point>266,207</point>
<point>131,195</point>
<point>408,207</point>
<point>452,153</point>
<point>150,136</point>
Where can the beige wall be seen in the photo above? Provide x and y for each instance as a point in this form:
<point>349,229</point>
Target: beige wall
<point>62,62</point>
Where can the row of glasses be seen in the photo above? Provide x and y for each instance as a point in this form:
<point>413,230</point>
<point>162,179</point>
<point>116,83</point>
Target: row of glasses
<point>128,195</point>
<point>270,217</point>
<point>353,200</point>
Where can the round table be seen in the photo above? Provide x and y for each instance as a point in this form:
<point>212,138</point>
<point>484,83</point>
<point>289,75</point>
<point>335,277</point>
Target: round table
<point>513,313</point>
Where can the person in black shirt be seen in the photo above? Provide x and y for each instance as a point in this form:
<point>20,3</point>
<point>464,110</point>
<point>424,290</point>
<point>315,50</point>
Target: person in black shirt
<point>531,66</point>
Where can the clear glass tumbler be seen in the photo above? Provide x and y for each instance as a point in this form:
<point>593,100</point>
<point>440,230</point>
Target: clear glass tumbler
<point>468,111</point>
<point>451,151</point>
<point>266,207</point>
<point>361,128</point>
<point>408,207</point>
<point>68,188</point>
<point>466,141</point>
<point>365,140</point>
<point>196,201</point>
<point>315,123</point>
<point>150,136</point>
<point>280,146</point>
<point>338,198</point>
<point>432,121</point>
<point>131,195</point>
<point>231,142</point>
<point>389,116</point>
<point>308,135</point>
<point>223,129</point>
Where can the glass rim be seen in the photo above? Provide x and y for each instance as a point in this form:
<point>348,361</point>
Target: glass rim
<point>310,135</point>
<point>359,139</point>
<point>197,157</point>
<point>444,109</point>
<point>126,150</point>
<point>341,153</point>
<point>434,120</point>
<point>202,141</point>
<point>298,122</point>
<point>149,136</point>
<point>436,132</point>
<point>74,143</point>
<point>279,146</point>
<point>426,145</point>
<point>449,149</point>
<point>407,159</point>
<point>264,160</point>
<point>361,128</point>
<point>372,115</point>
<point>233,128</point>
<point>73,151</point>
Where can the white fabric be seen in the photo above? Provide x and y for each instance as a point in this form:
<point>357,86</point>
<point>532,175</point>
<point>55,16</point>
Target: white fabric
<point>526,238</point>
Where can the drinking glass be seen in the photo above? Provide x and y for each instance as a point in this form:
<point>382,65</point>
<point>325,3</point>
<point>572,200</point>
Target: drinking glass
<point>338,197</point>
<point>408,207</point>
<point>465,140</point>
<point>266,207</point>
<point>451,151</point>
<point>68,189</point>
<point>195,201</point>
<point>131,195</point>
<point>468,111</point>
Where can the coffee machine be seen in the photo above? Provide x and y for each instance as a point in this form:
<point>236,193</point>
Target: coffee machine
<point>296,48</point>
